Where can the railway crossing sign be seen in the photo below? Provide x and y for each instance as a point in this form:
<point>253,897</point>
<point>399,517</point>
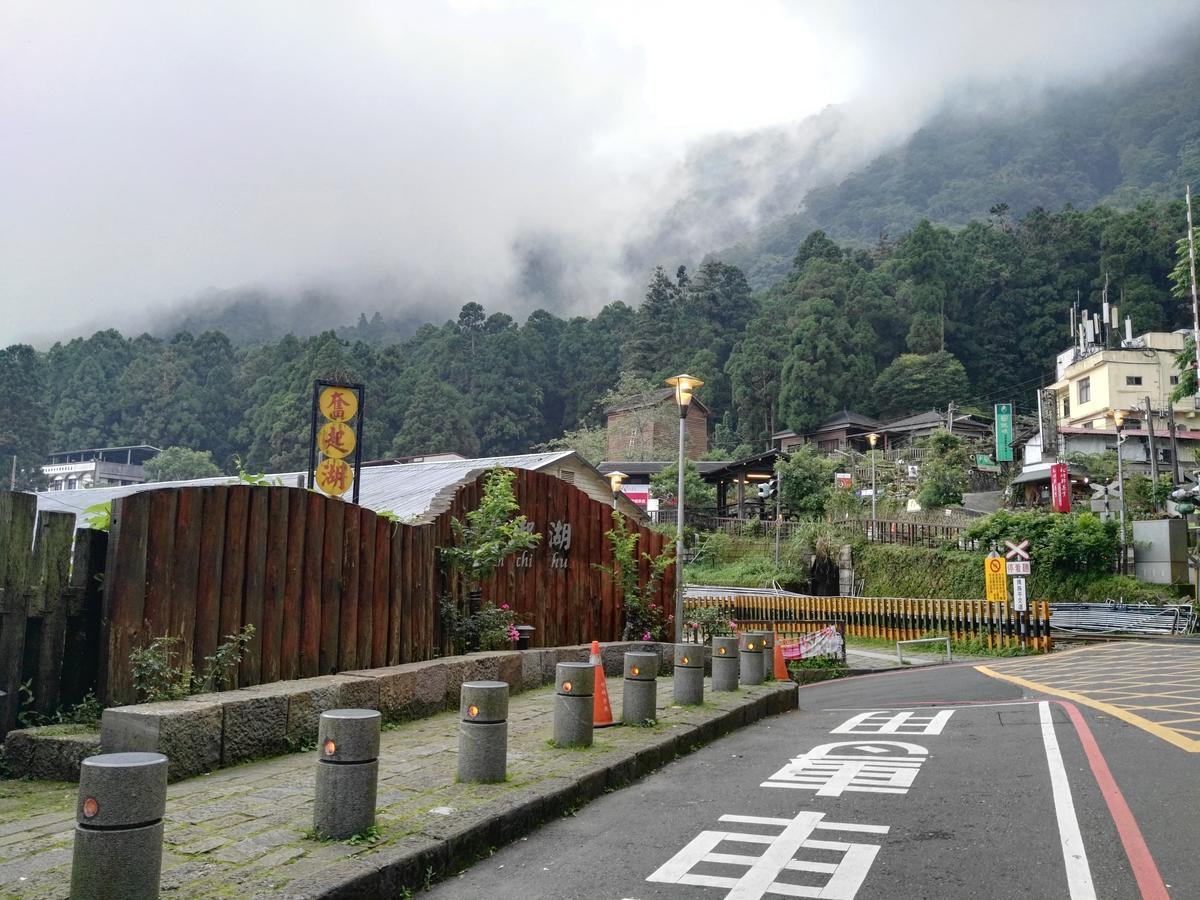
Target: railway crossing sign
<point>1018,550</point>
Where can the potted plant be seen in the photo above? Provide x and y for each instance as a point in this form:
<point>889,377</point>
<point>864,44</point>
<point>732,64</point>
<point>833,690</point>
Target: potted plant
<point>483,540</point>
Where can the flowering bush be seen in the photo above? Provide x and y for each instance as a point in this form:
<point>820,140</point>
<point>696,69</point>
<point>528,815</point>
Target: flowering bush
<point>491,627</point>
<point>709,621</point>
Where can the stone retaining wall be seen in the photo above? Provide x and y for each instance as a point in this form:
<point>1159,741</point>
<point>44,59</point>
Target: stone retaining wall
<point>211,731</point>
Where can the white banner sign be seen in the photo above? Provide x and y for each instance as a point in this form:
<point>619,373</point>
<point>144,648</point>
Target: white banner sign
<point>1017,567</point>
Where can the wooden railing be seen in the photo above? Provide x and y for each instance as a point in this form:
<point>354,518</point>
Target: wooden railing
<point>893,618</point>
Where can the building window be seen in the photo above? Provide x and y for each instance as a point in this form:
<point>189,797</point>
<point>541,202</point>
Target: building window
<point>1133,380</point>
<point>1174,379</point>
<point>1085,390</point>
<point>1066,407</point>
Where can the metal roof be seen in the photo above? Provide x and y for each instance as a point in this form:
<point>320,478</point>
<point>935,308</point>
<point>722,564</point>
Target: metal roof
<point>407,489</point>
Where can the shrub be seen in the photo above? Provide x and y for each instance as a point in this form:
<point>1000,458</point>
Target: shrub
<point>160,674</point>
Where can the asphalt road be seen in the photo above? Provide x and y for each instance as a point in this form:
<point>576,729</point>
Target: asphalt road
<point>976,806</point>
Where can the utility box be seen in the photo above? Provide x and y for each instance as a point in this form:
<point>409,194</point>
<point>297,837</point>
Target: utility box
<point>1160,551</point>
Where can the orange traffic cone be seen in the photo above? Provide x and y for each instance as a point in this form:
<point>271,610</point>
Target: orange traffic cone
<point>781,672</point>
<point>602,715</point>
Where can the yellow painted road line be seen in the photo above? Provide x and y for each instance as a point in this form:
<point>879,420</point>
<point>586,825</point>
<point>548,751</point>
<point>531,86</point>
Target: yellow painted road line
<point>1167,734</point>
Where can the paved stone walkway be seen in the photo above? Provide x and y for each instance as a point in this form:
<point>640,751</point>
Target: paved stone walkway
<point>244,831</point>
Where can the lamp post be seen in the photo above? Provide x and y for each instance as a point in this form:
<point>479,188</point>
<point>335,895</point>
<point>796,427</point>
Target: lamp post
<point>872,438</point>
<point>684,386</point>
<point>615,480</point>
<point>1119,419</point>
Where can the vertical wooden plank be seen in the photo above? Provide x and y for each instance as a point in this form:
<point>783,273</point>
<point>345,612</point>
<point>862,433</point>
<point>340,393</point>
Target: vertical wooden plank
<point>381,625</point>
<point>253,601</point>
<point>209,573</point>
<point>160,557</point>
<point>185,569</point>
<point>17,513</point>
<point>52,561</point>
<point>331,586</point>
<point>429,579</point>
<point>348,615</point>
<point>366,586</point>
<point>275,578</point>
<point>293,589</point>
<point>81,646</point>
<point>399,614</point>
<point>124,596</point>
<point>233,566</point>
<point>311,619</point>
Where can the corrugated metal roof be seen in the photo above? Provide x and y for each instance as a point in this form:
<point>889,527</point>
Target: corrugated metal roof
<point>406,489</point>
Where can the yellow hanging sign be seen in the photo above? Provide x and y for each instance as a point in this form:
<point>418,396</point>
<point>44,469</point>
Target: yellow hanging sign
<point>338,404</point>
<point>334,477</point>
<point>336,440</point>
<point>995,579</point>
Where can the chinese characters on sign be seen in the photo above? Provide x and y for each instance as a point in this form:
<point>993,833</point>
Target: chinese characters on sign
<point>1060,488</point>
<point>336,433</point>
<point>560,543</point>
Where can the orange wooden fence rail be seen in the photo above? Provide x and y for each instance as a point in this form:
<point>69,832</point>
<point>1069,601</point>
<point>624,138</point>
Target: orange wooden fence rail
<point>895,618</point>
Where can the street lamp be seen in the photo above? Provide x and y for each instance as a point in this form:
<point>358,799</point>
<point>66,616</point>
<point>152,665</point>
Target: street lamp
<point>615,480</point>
<point>684,386</point>
<point>1119,420</point>
<point>872,438</point>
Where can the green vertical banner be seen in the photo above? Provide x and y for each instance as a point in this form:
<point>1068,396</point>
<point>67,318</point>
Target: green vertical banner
<point>1004,432</point>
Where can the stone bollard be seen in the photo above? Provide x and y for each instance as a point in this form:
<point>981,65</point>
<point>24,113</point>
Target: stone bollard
<point>119,828</point>
<point>689,674</point>
<point>483,731</point>
<point>575,682</point>
<point>767,639</point>
<point>640,698</point>
<point>347,772</point>
<point>725,663</point>
<point>750,658</point>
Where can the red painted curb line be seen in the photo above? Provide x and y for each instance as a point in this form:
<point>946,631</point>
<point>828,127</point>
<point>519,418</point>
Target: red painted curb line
<point>1145,871</point>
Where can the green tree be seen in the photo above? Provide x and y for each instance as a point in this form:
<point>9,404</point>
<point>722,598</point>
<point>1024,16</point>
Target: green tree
<point>943,471</point>
<point>697,493</point>
<point>181,464</point>
<point>806,479</point>
<point>435,421</point>
<point>913,382</point>
<point>24,420</point>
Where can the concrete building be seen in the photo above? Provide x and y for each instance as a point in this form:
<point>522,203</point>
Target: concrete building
<point>98,467</point>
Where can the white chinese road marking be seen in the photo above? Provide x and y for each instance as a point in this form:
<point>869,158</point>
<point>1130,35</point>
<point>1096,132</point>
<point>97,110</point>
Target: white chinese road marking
<point>830,773</point>
<point>1079,874</point>
<point>883,722</point>
<point>761,875</point>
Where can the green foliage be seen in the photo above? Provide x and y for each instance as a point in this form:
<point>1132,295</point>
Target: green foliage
<point>257,479</point>
<point>807,482</point>
<point>490,627</point>
<point>1101,467</point>
<point>86,713</point>
<point>1077,543</point>
<point>943,471</point>
<point>914,383</point>
<point>181,464</point>
<point>99,515</point>
<point>710,620</point>
<point>697,493</point>
<point>645,618</point>
<point>160,674</point>
<point>491,532</point>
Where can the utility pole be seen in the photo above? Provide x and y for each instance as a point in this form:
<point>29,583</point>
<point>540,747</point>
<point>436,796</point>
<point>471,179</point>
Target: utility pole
<point>1174,429</point>
<point>1153,452</point>
<point>950,417</point>
<point>778,508</point>
<point>12,480</point>
<point>1195,307</point>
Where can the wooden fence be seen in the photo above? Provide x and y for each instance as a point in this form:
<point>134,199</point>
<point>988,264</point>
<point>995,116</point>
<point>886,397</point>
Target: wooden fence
<point>893,618</point>
<point>327,585</point>
<point>50,599</point>
<point>913,534</point>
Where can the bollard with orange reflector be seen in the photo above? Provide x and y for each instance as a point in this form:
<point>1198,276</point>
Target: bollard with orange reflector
<point>483,731</point>
<point>575,682</point>
<point>750,657</point>
<point>347,772</point>
<point>689,674</point>
<point>119,827</point>
<point>639,703</point>
<point>724,663</point>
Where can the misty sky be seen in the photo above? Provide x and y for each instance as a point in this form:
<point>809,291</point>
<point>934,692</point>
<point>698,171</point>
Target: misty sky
<point>151,152</point>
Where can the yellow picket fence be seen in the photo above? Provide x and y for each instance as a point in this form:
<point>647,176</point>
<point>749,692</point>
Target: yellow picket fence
<point>893,618</point>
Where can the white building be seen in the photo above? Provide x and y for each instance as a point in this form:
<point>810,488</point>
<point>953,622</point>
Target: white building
<point>99,467</point>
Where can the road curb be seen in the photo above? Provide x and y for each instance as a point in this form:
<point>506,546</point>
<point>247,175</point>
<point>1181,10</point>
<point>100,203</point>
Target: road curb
<point>436,852</point>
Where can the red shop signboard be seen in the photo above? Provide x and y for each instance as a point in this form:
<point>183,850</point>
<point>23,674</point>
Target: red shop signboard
<point>1060,488</point>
